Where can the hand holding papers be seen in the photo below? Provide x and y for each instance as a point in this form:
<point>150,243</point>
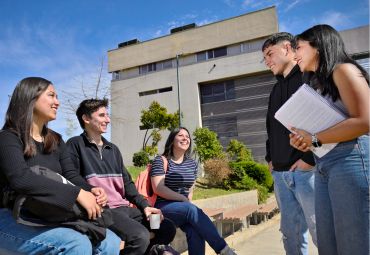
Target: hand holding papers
<point>308,110</point>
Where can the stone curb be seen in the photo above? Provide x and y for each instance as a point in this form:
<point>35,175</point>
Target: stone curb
<point>244,234</point>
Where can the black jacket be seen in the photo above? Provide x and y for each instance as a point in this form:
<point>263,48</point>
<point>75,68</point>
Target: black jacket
<point>278,149</point>
<point>105,169</point>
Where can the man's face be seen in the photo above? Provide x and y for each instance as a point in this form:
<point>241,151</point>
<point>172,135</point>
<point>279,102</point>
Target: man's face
<point>277,57</point>
<point>98,121</point>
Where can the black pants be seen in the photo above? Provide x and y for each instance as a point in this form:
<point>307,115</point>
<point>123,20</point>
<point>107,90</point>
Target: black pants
<point>131,225</point>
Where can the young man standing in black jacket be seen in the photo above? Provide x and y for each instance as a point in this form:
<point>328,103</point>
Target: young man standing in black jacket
<point>100,163</point>
<point>291,169</point>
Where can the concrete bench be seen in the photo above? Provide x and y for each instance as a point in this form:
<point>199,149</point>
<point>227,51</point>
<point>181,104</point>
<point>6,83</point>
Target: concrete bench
<point>217,216</point>
<point>241,216</point>
<point>267,211</point>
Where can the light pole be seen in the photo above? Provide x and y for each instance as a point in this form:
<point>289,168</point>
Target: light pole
<point>178,86</point>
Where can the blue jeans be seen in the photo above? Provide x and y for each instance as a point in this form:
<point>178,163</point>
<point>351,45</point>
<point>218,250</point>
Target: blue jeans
<point>196,225</point>
<point>295,195</point>
<point>342,199</point>
<point>20,239</point>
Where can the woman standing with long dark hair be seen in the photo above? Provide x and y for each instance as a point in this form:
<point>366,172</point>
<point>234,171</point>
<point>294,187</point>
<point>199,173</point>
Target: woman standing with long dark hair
<point>27,142</point>
<point>342,176</point>
<point>174,188</point>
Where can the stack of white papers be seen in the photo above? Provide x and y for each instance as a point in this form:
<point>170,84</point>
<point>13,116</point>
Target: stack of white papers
<point>308,110</point>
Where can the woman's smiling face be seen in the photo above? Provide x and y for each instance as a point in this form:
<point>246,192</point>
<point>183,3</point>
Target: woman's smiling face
<point>307,57</point>
<point>181,141</point>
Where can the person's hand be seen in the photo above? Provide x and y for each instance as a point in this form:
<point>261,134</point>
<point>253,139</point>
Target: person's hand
<point>121,245</point>
<point>300,139</point>
<point>101,196</point>
<point>271,167</point>
<point>300,164</point>
<point>151,210</point>
<point>88,201</point>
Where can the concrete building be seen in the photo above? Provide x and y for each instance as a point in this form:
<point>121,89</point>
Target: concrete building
<point>223,84</point>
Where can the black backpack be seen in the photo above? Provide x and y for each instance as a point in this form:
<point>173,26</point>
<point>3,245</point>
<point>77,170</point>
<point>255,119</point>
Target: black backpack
<point>30,211</point>
<point>162,249</point>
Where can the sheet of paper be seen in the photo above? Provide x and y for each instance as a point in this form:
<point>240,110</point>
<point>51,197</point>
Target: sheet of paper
<point>308,110</point>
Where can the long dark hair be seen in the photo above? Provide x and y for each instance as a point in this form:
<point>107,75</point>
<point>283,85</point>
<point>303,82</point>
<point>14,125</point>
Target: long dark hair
<point>19,116</point>
<point>331,52</point>
<point>168,148</point>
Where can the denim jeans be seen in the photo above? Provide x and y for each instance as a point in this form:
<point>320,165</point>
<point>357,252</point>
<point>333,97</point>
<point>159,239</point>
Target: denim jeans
<point>295,195</point>
<point>20,239</point>
<point>196,225</point>
<point>342,199</point>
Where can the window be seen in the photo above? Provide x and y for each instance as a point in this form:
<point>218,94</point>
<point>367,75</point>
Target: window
<point>252,46</point>
<point>364,62</point>
<point>167,64</point>
<point>115,75</point>
<point>201,56</point>
<point>219,52</point>
<point>155,91</point>
<point>148,68</point>
<point>209,54</point>
<point>217,92</point>
<point>152,67</point>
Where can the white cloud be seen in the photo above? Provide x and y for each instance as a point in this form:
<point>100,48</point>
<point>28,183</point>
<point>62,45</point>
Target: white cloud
<point>291,5</point>
<point>204,22</point>
<point>335,19</point>
<point>56,54</point>
<point>256,5</point>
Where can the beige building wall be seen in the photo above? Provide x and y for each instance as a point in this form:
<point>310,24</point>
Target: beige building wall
<point>126,105</point>
<point>234,30</point>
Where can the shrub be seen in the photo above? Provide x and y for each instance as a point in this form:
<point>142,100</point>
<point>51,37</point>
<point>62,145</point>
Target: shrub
<point>216,170</point>
<point>151,150</point>
<point>140,158</point>
<point>238,151</point>
<point>248,183</point>
<point>263,193</point>
<point>206,144</point>
<point>257,171</point>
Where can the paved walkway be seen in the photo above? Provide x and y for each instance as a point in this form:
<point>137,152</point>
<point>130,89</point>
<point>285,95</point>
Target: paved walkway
<point>261,239</point>
<point>267,241</point>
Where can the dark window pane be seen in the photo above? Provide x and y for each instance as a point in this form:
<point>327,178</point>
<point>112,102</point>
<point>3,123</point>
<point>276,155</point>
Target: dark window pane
<point>210,54</point>
<point>230,90</point>
<point>201,56</point>
<point>151,67</point>
<point>165,90</point>
<point>143,69</point>
<point>167,64</point>
<point>218,89</point>
<point>207,99</point>
<point>218,98</point>
<point>206,90</point>
<point>219,52</point>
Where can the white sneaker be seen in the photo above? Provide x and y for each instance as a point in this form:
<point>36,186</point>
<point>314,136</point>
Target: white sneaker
<point>227,251</point>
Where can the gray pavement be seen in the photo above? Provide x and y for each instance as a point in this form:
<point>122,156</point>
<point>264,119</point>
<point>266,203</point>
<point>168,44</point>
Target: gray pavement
<point>267,241</point>
<point>261,239</point>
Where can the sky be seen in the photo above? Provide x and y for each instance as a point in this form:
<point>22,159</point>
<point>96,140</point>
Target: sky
<point>67,41</point>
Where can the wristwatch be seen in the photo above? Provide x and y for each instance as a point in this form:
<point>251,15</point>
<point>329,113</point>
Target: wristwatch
<point>315,142</point>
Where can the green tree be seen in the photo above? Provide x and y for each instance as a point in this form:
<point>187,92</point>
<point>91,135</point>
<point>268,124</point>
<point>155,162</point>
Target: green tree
<point>156,119</point>
<point>207,145</point>
<point>238,151</point>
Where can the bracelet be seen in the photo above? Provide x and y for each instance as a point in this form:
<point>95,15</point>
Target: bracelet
<point>315,142</point>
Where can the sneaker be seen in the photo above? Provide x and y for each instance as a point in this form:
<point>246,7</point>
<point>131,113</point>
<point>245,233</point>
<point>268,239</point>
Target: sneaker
<point>227,251</point>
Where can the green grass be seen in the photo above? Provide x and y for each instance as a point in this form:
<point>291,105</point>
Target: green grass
<point>201,193</point>
<point>201,190</point>
<point>134,171</point>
